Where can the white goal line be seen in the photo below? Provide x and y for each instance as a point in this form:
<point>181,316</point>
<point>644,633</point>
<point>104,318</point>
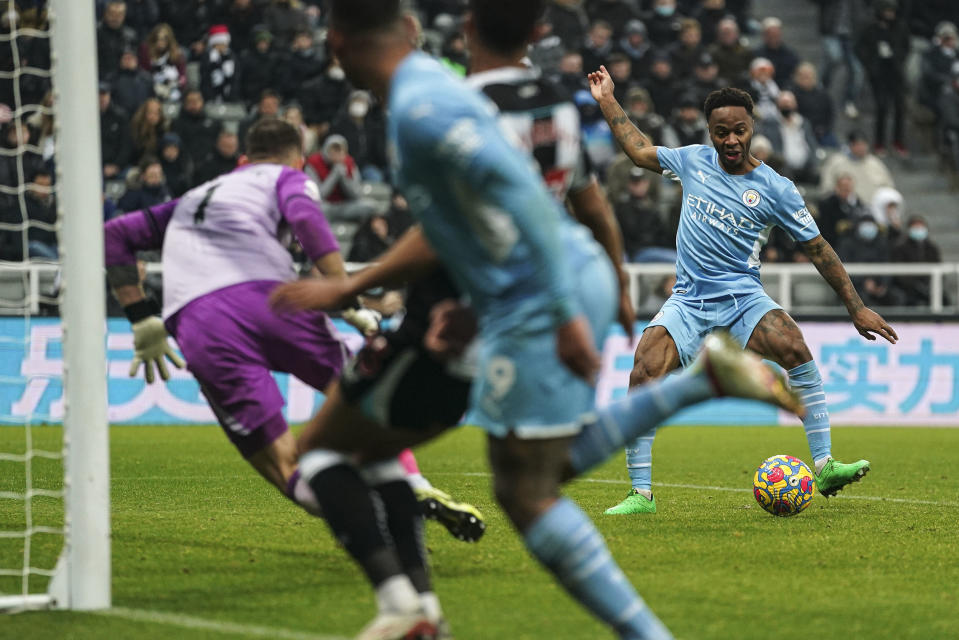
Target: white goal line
<point>206,624</point>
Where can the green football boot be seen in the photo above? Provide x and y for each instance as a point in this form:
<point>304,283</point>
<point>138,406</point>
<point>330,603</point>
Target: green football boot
<point>836,475</point>
<point>635,502</point>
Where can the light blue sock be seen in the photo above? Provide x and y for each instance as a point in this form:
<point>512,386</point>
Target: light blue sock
<point>633,416</point>
<point>639,461</point>
<point>807,383</point>
<point>569,545</point>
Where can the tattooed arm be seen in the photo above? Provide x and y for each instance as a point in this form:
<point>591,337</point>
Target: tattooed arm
<point>830,268</point>
<point>637,145</point>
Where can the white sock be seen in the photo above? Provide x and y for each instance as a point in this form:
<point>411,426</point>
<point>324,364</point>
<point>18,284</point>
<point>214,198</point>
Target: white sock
<point>431,606</point>
<point>821,463</point>
<point>417,481</point>
<point>646,493</point>
<point>397,595</point>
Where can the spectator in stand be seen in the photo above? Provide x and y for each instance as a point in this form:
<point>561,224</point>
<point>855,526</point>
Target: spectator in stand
<point>41,206</point>
<point>371,240</point>
<point>763,88</point>
<point>868,172</point>
<point>762,150</point>
<point>663,23</point>
<point>887,206</point>
<point>729,52</point>
<point>190,20</point>
<point>219,71</point>
<point>868,243</point>
<point>223,158</point>
<point>197,130</point>
<point>641,109</point>
<point>915,246</point>
<point>839,210</point>
<point>613,12</point>
<point>882,48</point>
<point>141,16</point>
<point>116,146</point>
<point>688,122</point>
<point>783,58</point>
<point>792,137</point>
<point>147,126</point>
<point>131,85</point>
<point>293,114</point>
<point>453,54</point>
<point>571,76</point>
<point>399,217</point>
<point>241,17</point>
<point>262,67</point>
<point>815,104</point>
<point>688,49</point>
<point>705,78</point>
<point>662,85</point>
<point>645,238</point>
<point>161,56</point>
<point>546,53</point>
<point>838,20</point>
<point>323,96</point>
<point>635,45</point>
<point>268,106</point>
<point>569,21</point>
<point>709,14</point>
<point>301,65</point>
<point>364,130</point>
<point>937,64</point>
<point>284,20</point>
<point>339,181</point>
<point>113,37</point>
<point>598,45</point>
<point>621,70</point>
<point>949,125</point>
<point>176,165</point>
<point>149,187</point>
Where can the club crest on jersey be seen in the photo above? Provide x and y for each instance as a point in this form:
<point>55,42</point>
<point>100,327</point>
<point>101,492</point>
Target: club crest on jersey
<point>751,198</point>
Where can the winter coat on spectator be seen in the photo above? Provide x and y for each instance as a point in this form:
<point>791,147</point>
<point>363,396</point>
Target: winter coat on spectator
<point>130,87</point>
<point>116,147</point>
<point>837,215</point>
<point>283,21</point>
<point>569,22</point>
<point>367,140</point>
<point>870,47</point>
<point>213,165</point>
<point>142,15</point>
<point>937,65</point>
<point>299,67</point>
<point>784,59</point>
<point>198,133</point>
<point>322,97</point>
<point>868,173</point>
<point>189,18</point>
<point>169,77</point>
<point>143,197</point>
<point>368,243</point>
<point>261,71</point>
<point>641,224</point>
<point>915,289</point>
<point>733,61</point>
<point>663,30</point>
<point>615,12</point>
<point>178,168</point>
<point>241,23</point>
<point>220,76</point>
<point>816,106</point>
<point>110,45</point>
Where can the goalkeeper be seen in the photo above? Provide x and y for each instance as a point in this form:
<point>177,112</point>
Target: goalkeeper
<point>223,252</point>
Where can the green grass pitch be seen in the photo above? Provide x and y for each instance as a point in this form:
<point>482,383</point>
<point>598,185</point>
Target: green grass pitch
<point>202,548</point>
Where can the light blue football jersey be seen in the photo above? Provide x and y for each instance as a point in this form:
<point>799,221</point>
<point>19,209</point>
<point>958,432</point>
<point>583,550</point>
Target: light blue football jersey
<point>726,220</point>
<point>482,204</point>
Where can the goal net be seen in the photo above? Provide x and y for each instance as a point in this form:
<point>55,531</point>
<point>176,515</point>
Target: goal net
<point>54,465</point>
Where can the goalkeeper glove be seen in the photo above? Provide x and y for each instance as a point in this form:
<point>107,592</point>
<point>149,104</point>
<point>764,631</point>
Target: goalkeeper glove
<point>150,344</point>
<point>366,321</point>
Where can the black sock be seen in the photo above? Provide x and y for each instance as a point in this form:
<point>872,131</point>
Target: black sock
<point>405,523</point>
<point>352,511</point>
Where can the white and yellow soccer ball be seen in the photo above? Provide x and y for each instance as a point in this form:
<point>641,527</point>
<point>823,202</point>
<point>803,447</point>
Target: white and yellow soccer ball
<point>783,485</point>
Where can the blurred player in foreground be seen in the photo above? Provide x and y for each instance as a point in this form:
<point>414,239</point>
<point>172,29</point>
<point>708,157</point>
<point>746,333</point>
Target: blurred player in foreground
<point>544,294</point>
<point>224,249</point>
<point>730,202</point>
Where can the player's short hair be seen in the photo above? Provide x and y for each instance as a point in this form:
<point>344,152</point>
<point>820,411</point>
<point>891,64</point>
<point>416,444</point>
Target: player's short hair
<point>505,26</point>
<point>272,137</point>
<point>363,16</point>
<point>728,97</point>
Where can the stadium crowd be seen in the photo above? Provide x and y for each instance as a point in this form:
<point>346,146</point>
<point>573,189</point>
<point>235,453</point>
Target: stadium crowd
<point>181,81</point>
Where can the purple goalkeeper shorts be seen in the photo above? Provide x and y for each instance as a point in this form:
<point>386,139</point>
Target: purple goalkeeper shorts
<point>232,340</point>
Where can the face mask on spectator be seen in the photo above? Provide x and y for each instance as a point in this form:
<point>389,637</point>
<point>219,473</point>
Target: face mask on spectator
<point>358,109</point>
<point>336,73</point>
<point>918,233</point>
<point>665,10</point>
<point>868,230</point>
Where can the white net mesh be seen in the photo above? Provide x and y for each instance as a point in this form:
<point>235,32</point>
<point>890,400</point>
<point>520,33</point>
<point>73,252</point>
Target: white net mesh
<point>31,460</point>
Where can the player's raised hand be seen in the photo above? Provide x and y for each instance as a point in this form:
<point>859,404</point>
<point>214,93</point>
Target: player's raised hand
<point>601,84</point>
<point>150,347</point>
<point>574,345</point>
<point>868,322</point>
<point>326,294</point>
<point>452,327</point>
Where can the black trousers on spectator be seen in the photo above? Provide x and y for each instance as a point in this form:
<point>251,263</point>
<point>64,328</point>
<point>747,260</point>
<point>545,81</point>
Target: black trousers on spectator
<point>888,90</point>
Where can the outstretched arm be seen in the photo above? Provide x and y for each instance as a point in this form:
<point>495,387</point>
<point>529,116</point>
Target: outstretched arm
<point>867,321</point>
<point>636,144</point>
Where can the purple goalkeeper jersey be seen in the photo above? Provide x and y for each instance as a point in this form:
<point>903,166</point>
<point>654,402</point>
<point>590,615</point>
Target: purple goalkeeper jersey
<point>232,229</point>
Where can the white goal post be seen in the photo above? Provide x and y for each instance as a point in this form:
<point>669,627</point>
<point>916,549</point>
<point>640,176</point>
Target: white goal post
<point>81,579</point>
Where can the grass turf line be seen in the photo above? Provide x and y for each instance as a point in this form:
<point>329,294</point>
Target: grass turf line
<point>197,534</point>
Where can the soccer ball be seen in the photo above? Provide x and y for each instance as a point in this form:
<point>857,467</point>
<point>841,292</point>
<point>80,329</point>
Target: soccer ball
<point>783,485</point>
